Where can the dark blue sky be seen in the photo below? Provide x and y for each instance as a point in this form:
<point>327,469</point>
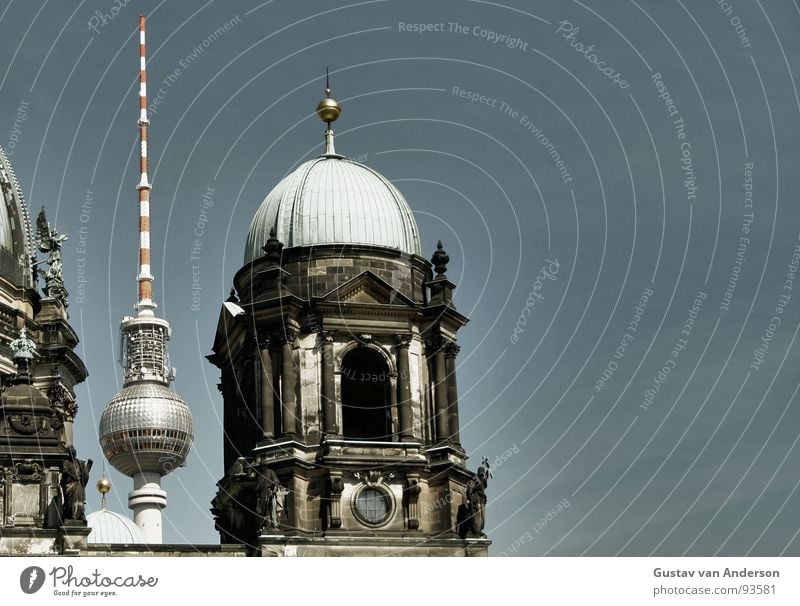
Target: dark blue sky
<point>616,184</point>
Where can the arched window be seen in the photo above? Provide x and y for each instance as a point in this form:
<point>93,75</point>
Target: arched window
<point>366,407</point>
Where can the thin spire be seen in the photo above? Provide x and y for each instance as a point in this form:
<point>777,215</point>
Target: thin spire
<point>145,304</point>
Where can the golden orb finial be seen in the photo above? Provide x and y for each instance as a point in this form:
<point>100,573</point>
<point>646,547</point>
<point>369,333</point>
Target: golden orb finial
<point>328,109</point>
<point>104,485</point>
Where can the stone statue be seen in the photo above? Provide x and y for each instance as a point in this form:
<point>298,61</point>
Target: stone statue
<point>74,477</point>
<point>269,493</point>
<point>228,506</point>
<point>476,502</point>
<point>50,242</point>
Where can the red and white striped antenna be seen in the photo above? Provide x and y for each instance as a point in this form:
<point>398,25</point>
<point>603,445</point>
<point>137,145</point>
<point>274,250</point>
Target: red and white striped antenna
<point>145,305</point>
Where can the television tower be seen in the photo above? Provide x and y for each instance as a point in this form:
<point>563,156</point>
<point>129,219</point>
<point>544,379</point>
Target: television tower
<point>146,429</point>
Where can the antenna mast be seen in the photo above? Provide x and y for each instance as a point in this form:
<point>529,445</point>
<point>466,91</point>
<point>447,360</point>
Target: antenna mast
<point>147,405</point>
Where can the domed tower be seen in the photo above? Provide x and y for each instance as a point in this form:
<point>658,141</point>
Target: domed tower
<point>38,372</point>
<point>146,429</point>
<point>337,354</point>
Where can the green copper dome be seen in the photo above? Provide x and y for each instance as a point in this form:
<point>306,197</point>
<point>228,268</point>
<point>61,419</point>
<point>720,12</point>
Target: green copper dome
<point>333,200</point>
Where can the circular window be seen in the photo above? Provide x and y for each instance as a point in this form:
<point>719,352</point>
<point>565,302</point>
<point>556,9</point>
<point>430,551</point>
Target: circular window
<point>372,505</point>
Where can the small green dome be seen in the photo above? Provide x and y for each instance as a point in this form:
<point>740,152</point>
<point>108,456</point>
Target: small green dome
<point>109,527</point>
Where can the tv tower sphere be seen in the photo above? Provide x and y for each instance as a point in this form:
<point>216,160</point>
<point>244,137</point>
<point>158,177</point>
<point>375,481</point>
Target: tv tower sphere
<point>146,428</point>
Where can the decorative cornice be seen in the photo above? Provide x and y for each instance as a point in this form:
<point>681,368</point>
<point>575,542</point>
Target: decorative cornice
<point>375,310</point>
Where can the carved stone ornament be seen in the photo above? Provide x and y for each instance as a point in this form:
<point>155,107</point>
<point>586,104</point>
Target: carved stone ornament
<point>335,488</point>
<point>440,259</point>
<point>57,394</point>
<point>264,341</point>
<point>451,350</point>
<point>289,335</point>
<point>373,477</point>
<point>23,348</point>
<point>337,485</point>
<point>436,342</point>
<point>27,425</point>
<point>27,472</point>
<point>411,492</point>
<point>59,397</point>
<point>273,249</point>
<point>70,409</point>
<point>403,340</point>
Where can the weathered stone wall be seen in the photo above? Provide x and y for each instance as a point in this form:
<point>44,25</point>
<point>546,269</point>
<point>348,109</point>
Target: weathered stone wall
<point>320,276</point>
<point>314,272</point>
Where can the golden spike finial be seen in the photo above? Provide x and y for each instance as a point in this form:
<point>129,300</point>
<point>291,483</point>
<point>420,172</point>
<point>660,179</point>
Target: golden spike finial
<point>329,110</point>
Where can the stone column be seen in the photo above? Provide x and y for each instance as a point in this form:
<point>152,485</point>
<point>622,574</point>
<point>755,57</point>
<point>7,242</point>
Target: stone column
<point>441,424</point>
<point>404,388</point>
<point>267,389</point>
<point>328,386</point>
<point>288,380</point>
<point>392,425</point>
<point>450,352</point>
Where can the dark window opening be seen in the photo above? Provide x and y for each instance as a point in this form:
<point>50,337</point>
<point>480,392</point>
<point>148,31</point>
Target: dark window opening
<point>366,405</point>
